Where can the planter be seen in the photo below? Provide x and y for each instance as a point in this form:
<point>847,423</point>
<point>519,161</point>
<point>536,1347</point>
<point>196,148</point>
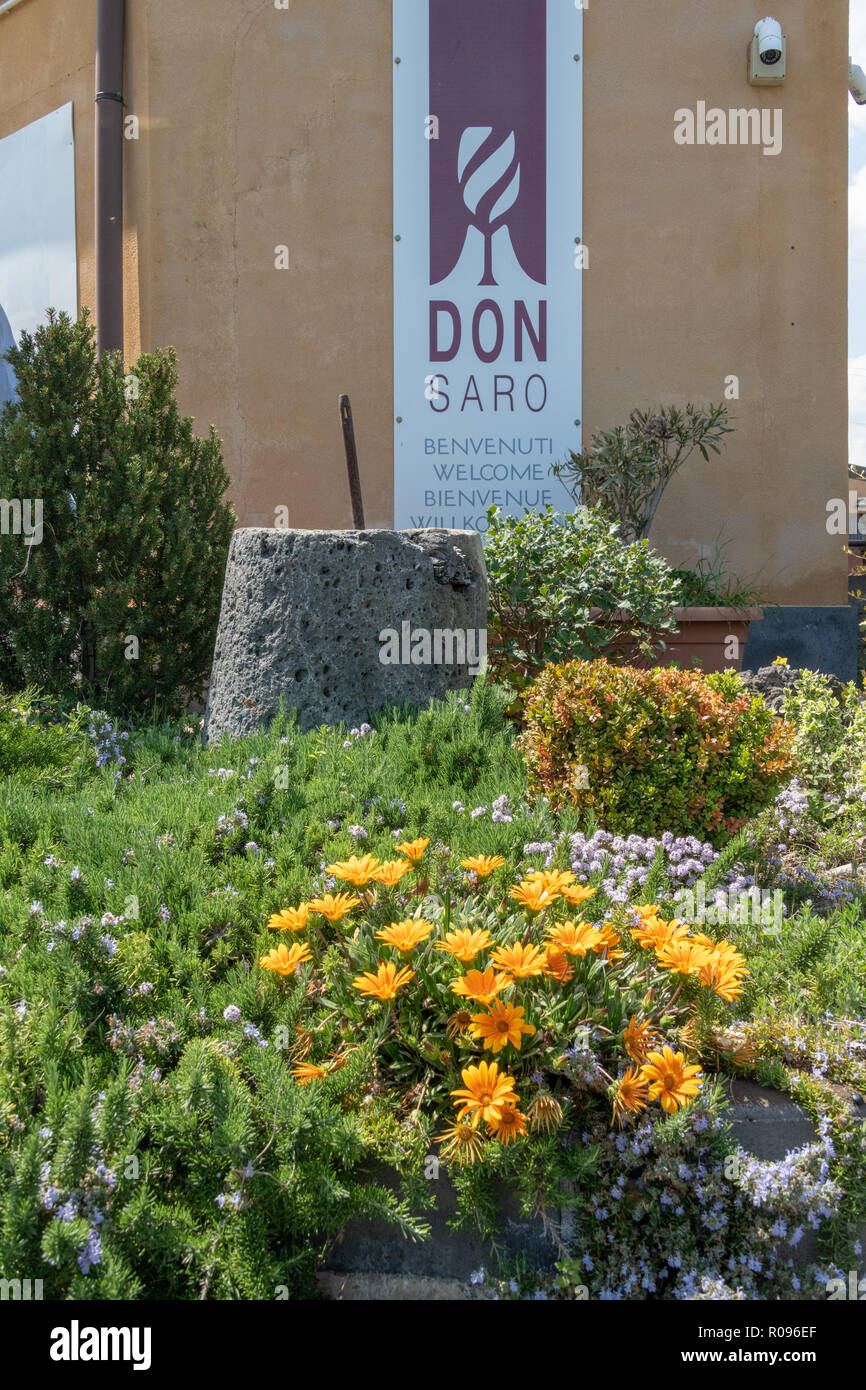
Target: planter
<point>702,640</point>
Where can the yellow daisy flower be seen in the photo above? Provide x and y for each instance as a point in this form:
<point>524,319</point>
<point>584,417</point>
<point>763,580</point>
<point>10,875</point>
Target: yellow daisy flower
<point>405,935</point>
<point>385,983</point>
<point>391,871</point>
<point>639,1038</point>
<point>483,864</point>
<point>485,1092</point>
<point>481,985</point>
<point>358,872</point>
<point>520,961</point>
<point>305,1072</point>
<point>575,940</point>
<point>413,849</point>
<point>533,897</point>
<point>670,1081</point>
<point>334,907</point>
<point>503,1023</point>
<point>508,1125</point>
<point>631,1096</point>
<point>284,960</point>
<point>290,919</point>
<point>464,943</point>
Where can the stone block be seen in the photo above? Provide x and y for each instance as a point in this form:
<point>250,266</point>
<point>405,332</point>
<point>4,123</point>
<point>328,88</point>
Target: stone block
<point>303,616</point>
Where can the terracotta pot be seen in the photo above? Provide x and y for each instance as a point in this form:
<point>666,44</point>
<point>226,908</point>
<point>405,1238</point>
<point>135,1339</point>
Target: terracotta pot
<point>702,639</point>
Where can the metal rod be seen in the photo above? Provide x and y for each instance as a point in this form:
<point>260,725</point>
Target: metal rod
<point>108,176</point>
<point>352,462</point>
<point>9,5</point>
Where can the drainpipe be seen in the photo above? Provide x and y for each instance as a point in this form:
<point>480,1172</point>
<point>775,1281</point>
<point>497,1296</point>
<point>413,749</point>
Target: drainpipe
<point>108,176</point>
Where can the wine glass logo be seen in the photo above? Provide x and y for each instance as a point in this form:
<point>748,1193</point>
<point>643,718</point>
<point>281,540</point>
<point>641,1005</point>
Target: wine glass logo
<point>488,172</point>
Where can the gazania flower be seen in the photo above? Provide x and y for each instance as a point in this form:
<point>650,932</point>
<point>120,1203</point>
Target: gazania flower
<point>290,919</point>
<point>575,940</point>
<point>334,907</point>
<point>682,957</point>
<point>554,880</point>
<point>545,1112</point>
<point>413,849</point>
<point>386,982</point>
<point>391,871</point>
<point>358,872</point>
<point>520,961</point>
<point>509,1125</point>
<point>631,1096</point>
<point>655,932</point>
<point>481,984</point>
<point>557,965</point>
<point>461,1142</point>
<point>284,960</point>
<point>648,910</point>
<point>609,943</point>
<point>405,935</point>
<point>465,944</point>
<point>532,896</point>
<point>576,893</point>
<point>719,974</point>
<point>458,1023</point>
<point>671,1082</point>
<point>305,1072</point>
<point>503,1023</point>
<point>483,864</point>
<point>485,1092</point>
<point>638,1038</point>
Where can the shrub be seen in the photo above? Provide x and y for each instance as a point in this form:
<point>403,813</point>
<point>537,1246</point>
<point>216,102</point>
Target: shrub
<point>548,571</point>
<point>52,752</point>
<point>653,750</point>
<point>625,471</point>
<point>135,531</point>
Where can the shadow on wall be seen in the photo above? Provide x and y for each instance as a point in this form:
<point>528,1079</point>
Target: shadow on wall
<point>8,391</point>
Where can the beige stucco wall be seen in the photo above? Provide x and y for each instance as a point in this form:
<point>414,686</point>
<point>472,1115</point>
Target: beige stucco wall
<point>262,127</point>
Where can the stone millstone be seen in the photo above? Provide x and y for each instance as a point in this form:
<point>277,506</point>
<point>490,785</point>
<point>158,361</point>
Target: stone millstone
<point>302,613</point>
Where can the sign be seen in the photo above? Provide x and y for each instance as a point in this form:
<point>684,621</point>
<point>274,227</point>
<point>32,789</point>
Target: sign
<point>488,256</point>
<point>38,267</point>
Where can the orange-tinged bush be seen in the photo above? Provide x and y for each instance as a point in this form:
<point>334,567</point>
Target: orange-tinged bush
<point>649,751</point>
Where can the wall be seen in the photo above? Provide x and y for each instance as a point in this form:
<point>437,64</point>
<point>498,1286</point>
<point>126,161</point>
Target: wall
<point>262,127</point>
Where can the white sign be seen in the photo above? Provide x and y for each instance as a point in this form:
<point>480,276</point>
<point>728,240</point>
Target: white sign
<point>38,267</point>
<point>488,256</point>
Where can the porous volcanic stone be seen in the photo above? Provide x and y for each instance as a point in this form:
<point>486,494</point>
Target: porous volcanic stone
<point>773,683</point>
<point>302,613</point>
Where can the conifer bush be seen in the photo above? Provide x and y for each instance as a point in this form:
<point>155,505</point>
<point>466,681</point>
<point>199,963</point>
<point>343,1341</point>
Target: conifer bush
<point>117,601</point>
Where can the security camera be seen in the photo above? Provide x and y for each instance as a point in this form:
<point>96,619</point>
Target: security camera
<point>768,32</point>
<point>857,83</point>
<point>767,54</point>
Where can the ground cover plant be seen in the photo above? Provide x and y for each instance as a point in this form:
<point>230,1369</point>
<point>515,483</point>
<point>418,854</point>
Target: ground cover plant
<point>201,1058</point>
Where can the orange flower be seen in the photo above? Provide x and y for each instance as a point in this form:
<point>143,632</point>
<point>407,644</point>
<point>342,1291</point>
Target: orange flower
<point>284,960</point>
<point>723,971</point>
<point>461,1142</point>
<point>405,935</point>
<point>557,966</point>
<point>533,897</point>
<point>575,940</point>
<point>520,961</point>
<point>334,907</point>
<point>480,985</point>
<point>509,1125</point>
<point>657,932</point>
<point>290,918</point>
<point>391,871</point>
<point>631,1096</point>
<point>577,894</point>
<point>385,983</point>
<point>503,1023</point>
<point>682,956</point>
<point>413,849</point>
<point>305,1072</point>
<point>554,880</point>
<point>465,944</point>
<point>609,942</point>
<point>483,864</point>
<point>358,872</point>
<point>638,1038</point>
<point>485,1092</point>
<point>670,1081</point>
